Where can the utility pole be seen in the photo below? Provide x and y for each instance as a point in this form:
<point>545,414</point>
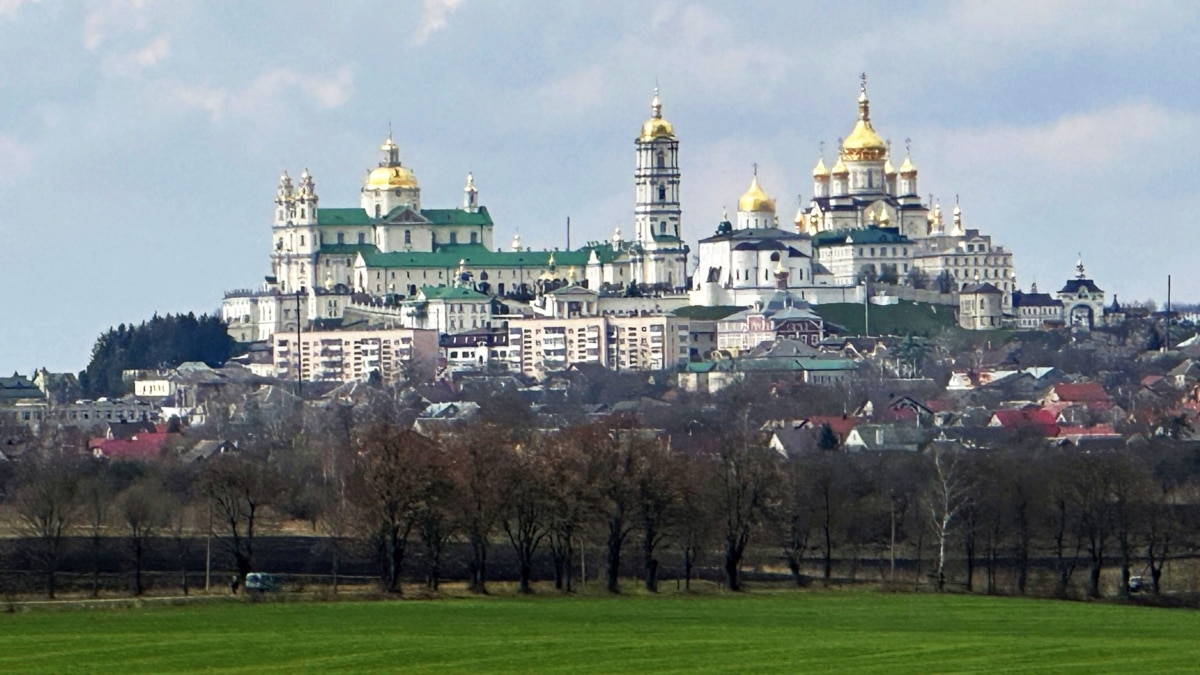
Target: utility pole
<point>1167,342</point>
<point>208,550</point>
<point>296,352</point>
<point>866,308</point>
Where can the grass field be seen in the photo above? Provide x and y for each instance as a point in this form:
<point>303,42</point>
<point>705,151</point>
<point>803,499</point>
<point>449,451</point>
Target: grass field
<point>779,632</point>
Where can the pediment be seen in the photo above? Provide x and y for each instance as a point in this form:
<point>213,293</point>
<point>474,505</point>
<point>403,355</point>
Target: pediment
<point>405,215</point>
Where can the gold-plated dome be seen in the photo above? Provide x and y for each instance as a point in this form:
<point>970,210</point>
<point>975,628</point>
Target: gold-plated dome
<point>888,168</point>
<point>819,171</point>
<point>840,169</point>
<point>391,177</point>
<point>755,199</point>
<point>907,167</point>
<point>656,126</point>
<point>863,143</point>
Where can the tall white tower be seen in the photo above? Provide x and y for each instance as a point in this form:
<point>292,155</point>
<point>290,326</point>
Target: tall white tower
<point>294,231</point>
<point>656,210</point>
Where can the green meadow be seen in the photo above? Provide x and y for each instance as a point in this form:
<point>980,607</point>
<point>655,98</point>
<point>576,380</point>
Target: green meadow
<point>763,632</point>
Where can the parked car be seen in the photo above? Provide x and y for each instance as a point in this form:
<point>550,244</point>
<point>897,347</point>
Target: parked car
<point>1138,584</point>
<point>258,581</point>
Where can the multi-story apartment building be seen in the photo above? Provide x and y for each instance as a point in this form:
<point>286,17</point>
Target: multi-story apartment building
<point>344,355</point>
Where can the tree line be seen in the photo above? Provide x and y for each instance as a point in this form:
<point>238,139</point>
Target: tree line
<point>161,342</point>
<point>712,495</point>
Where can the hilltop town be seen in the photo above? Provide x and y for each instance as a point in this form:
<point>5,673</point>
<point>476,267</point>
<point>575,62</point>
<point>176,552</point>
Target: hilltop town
<point>866,287</point>
<point>397,369</point>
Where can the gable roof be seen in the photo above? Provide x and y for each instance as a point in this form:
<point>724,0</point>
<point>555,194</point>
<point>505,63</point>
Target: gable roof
<point>1085,392</point>
<point>148,445</point>
<point>1042,421</point>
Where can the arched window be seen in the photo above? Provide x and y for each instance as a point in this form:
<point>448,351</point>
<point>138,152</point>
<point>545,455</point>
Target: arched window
<point>378,210</point>
<point>660,160</point>
<point>662,193</point>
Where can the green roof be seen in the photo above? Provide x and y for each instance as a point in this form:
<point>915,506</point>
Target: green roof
<point>478,256</point>
<point>451,293</point>
<point>345,217</point>
<point>348,249</point>
<point>355,216</point>
<point>457,216</point>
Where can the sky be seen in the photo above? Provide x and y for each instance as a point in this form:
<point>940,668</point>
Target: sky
<point>141,141</point>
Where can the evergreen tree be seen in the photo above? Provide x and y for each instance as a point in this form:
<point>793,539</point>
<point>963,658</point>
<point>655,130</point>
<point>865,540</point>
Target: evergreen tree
<point>161,342</point>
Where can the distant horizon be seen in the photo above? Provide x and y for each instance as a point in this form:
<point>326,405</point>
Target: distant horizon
<point>139,158</point>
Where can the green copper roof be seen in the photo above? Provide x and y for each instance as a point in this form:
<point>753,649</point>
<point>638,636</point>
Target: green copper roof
<point>355,216</point>
<point>457,216</point>
<point>451,293</point>
<point>477,256</point>
<point>334,217</point>
<point>347,249</point>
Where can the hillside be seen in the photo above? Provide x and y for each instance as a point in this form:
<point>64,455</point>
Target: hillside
<point>905,318</point>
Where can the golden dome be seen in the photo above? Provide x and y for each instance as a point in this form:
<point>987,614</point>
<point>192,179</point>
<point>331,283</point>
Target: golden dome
<point>390,177</point>
<point>907,167</point>
<point>840,169</point>
<point>863,143</point>
<point>819,171</point>
<point>656,126</point>
<point>755,200</point>
<point>888,168</point>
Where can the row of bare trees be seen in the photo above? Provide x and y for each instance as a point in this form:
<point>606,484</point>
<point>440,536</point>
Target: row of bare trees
<point>1027,519</point>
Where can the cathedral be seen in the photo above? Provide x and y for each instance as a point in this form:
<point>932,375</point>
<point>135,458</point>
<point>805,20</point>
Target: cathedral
<point>390,247</point>
<point>866,221</point>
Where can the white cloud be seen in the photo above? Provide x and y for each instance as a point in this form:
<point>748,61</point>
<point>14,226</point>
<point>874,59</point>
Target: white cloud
<point>16,158</point>
<point>265,93</point>
<point>434,17</point>
<point>148,56</point>
<point>107,17</point>
<point>10,8</point>
<point>1097,140</point>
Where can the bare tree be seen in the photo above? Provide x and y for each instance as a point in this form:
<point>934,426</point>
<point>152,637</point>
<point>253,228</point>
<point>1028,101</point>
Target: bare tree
<point>526,509</point>
<point>238,489</point>
<point>478,454</point>
<point>657,495</point>
<point>746,476</point>
<point>612,469</point>
<point>793,520</point>
<point>570,496</point>
<point>48,506</point>
<point>96,496</point>
<point>141,513</point>
<point>949,494</point>
<point>395,472</point>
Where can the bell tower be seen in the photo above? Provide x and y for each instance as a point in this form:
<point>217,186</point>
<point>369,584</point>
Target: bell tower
<point>656,207</point>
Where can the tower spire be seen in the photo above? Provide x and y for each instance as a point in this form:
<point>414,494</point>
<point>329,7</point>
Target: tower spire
<point>656,104</point>
<point>864,105</point>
